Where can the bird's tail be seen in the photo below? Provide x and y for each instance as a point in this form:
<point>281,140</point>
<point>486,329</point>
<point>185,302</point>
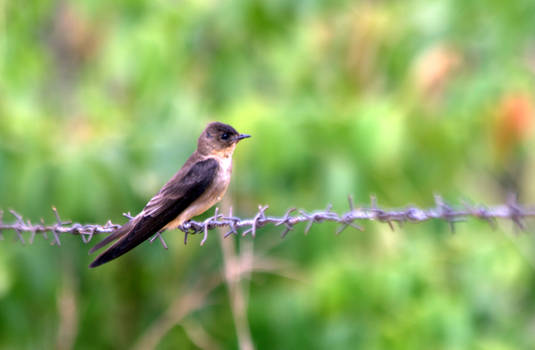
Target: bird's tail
<point>115,235</point>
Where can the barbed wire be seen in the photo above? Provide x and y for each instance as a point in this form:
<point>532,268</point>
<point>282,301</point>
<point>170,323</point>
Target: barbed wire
<point>511,210</point>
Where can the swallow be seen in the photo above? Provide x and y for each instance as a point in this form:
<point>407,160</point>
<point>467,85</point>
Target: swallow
<point>196,187</point>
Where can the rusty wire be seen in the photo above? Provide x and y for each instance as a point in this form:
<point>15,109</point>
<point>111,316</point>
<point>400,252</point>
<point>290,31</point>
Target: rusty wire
<point>512,211</point>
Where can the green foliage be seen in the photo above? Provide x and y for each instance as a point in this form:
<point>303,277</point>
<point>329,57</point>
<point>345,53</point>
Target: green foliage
<point>101,102</point>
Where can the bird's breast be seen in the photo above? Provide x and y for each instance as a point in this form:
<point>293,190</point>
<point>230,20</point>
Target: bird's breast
<point>220,184</point>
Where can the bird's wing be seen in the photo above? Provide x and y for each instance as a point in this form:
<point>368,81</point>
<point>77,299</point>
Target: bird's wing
<point>172,199</point>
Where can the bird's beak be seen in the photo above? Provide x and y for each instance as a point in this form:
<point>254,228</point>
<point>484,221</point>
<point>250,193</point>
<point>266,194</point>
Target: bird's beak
<point>243,136</point>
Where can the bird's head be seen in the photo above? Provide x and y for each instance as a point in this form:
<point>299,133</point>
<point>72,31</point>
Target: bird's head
<point>219,139</point>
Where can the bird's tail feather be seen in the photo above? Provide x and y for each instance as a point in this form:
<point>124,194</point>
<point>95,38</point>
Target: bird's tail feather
<point>134,233</point>
<point>120,232</point>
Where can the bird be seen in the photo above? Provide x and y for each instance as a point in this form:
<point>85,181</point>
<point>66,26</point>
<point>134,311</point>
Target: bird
<point>196,187</point>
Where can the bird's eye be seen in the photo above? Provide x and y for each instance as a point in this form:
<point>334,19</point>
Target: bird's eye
<point>225,136</point>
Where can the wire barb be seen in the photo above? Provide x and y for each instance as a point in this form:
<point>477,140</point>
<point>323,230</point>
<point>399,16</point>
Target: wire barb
<point>206,225</point>
<point>232,220</point>
<point>257,221</point>
<point>515,212</point>
<point>511,210</point>
<point>286,220</point>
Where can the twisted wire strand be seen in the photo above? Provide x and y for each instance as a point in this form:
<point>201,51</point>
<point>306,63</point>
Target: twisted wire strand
<point>511,211</point>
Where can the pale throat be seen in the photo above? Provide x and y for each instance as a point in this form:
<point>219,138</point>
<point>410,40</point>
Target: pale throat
<point>225,155</point>
<point>225,162</point>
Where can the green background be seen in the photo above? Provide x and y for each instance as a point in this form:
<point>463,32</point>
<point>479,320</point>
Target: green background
<point>102,101</point>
